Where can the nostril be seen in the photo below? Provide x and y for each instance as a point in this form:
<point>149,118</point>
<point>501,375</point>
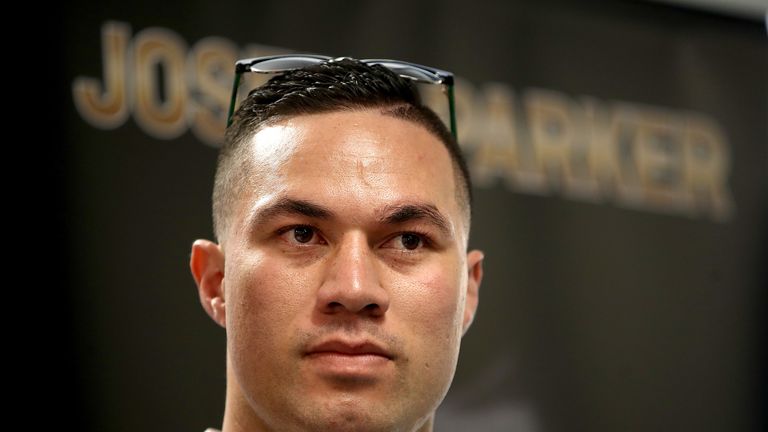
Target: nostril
<point>369,309</point>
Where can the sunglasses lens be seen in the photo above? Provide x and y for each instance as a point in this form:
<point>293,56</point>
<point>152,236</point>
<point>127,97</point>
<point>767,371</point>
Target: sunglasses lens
<point>409,71</point>
<point>281,64</point>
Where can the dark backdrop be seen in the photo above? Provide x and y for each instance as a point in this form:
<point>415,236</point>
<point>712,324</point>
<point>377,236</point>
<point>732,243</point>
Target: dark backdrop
<point>622,296</point>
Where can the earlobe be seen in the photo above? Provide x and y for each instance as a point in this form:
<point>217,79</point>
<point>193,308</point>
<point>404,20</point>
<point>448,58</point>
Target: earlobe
<point>474,277</point>
<point>207,265</point>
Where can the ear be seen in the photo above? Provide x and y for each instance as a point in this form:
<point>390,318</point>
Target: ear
<point>207,265</point>
<point>474,277</point>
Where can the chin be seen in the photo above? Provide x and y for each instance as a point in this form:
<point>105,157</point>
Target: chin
<point>353,415</point>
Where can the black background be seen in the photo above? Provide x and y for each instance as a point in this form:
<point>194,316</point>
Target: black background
<point>592,317</point>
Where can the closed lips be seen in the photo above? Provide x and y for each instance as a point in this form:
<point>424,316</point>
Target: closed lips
<point>349,348</point>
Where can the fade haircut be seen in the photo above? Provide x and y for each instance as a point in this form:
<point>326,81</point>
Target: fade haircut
<point>340,85</point>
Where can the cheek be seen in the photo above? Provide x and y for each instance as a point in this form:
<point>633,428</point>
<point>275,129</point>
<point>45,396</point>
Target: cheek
<point>263,298</point>
<point>433,303</point>
<point>430,308</point>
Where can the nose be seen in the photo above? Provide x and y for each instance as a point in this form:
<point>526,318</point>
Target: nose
<point>352,284</point>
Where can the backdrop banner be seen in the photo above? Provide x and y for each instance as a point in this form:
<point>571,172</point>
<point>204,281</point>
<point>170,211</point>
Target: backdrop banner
<point>620,159</point>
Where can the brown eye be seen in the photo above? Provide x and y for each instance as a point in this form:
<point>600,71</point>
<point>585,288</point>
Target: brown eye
<point>410,241</point>
<point>303,234</point>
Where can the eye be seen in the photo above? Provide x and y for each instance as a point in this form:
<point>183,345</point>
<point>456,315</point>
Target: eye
<point>406,241</point>
<point>300,234</point>
<point>410,241</point>
<point>303,234</point>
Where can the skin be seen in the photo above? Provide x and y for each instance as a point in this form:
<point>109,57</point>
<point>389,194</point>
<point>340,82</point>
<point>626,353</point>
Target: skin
<point>347,265</point>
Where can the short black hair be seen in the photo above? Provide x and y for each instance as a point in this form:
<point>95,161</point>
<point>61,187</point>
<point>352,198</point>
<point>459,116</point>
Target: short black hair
<point>339,85</point>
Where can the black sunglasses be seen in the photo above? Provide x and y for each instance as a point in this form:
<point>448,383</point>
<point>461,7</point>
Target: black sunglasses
<point>283,63</point>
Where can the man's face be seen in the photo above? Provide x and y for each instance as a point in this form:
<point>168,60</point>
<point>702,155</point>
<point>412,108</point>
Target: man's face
<point>346,286</point>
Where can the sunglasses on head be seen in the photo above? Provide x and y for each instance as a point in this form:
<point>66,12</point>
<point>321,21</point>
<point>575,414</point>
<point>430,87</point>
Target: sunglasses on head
<point>283,63</point>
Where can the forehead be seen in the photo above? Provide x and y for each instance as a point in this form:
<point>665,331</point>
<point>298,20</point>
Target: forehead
<point>352,158</point>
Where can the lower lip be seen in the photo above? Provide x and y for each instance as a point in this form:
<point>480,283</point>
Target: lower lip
<point>349,365</point>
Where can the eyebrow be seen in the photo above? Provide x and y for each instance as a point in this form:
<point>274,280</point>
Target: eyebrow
<point>290,207</point>
<point>402,213</point>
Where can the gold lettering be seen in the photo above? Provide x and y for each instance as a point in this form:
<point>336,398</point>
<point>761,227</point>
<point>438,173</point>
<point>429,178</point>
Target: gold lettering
<point>614,157</point>
<point>659,161</point>
<point>636,156</point>
<point>707,165</point>
<point>494,136</point>
<point>105,105</point>
<point>160,113</point>
<point>212,63</point>
<point>551,128</point>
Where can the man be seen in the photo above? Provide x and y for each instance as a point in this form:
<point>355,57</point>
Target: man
<point>342,211</point>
